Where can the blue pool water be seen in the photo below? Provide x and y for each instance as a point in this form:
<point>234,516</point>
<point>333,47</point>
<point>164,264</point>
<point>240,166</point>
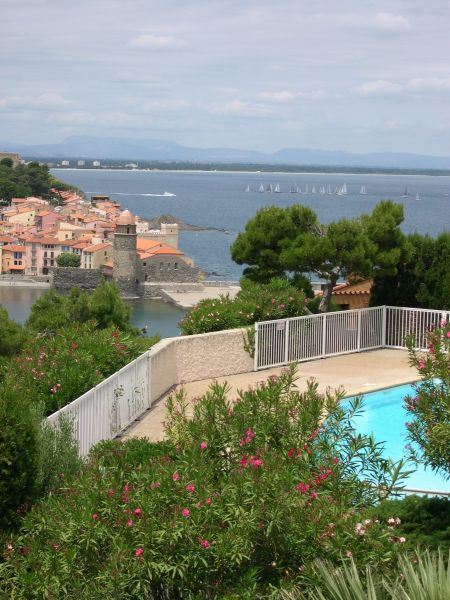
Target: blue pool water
<point>385,417</point>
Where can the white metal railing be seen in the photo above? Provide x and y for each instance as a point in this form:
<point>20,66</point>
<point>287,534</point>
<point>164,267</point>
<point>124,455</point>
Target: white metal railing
<point>109,407</point>
<point>317,336</point>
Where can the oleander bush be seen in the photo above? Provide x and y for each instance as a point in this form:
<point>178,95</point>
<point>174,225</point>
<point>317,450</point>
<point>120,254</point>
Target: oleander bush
<point>56,369</point>
<point>239,502</point>
<point>429,408</point>
<point>278,299</point>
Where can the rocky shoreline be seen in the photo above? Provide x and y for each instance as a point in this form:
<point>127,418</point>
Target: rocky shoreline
<point>155,223</point>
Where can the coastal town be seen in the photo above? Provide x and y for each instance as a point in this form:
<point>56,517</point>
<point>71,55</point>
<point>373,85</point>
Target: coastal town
<point>108,241</point>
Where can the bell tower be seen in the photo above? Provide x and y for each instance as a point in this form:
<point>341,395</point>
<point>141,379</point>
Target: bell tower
<point>125,260</point>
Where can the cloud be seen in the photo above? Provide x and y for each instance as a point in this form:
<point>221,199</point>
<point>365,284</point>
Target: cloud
<point>148,41</point>
<point>383,21</point>
<point>391,23</point>
<point>78,117</point>
<point>241,108</point>
<point>430,85</point>
<point>163,105</point>
<point>48,101</point>
<point>286,96</point>
<point>379,88</point>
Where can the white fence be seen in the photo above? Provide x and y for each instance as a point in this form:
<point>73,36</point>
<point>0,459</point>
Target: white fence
<point>108,408</point>
<point>317,336</point>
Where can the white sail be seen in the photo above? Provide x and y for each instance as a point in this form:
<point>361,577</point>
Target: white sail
<point>344,189</point>
<point>277,189</point>
<point>247,189</point>
<point>261,189</point>
<point>313,191</point>
<point>417,196</point>
<point>329,189</point>
<point>306,189</point>
<point>362,191</point>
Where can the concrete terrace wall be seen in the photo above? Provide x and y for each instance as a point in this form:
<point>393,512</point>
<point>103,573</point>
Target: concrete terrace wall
<point>197,357</point>
<point>65,278</point>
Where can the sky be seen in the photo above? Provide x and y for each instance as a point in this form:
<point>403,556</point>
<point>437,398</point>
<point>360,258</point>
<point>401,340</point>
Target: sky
<point>354,75</point>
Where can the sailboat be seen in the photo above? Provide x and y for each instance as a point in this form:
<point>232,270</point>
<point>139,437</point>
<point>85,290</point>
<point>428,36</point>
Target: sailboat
<point>247,189</point>
<point>277,189</point>
<point>269,188</point>
<point>306,189</point>
<point>417,196</point>
<point>261,189</point>
<point>313,191</point>
<point>344,189</point>
<point>405,193</point>
<point>329,189</point>
<point>322,189</point>
<point>362,191</point>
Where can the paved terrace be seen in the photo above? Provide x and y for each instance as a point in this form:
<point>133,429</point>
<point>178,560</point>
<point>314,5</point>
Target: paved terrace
<point>356,373</point>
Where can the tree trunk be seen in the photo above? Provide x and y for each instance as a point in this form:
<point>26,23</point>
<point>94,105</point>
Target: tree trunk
<point>324,305</point>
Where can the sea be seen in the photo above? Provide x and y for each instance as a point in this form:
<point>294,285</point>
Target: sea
<point>220,200</point>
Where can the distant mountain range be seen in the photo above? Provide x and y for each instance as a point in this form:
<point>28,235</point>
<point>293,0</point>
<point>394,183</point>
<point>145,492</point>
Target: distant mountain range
<point>111,148</point>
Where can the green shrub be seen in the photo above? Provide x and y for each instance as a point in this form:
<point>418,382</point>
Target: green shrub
<point>239,501</point>
<point>255,302</point>
<point>68,259</point>
<point>55,370</point>
<point>424,576</point>
<point>12,336</point>
<point>429,409</point>
<point>19,461</point>
<point>54,311</point>
<point>425,521</point>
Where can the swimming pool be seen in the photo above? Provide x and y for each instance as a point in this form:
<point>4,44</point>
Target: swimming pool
<point>384,416</point>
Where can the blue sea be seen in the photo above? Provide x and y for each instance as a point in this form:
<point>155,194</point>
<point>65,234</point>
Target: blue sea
<point>218,199</point>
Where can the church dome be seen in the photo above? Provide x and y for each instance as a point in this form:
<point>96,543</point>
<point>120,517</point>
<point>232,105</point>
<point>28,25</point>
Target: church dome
<point>126,218</point>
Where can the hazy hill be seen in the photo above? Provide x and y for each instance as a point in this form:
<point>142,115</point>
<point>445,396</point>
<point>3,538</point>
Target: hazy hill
<point>91,147</point>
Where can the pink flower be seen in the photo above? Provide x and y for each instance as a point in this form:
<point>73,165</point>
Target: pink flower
<point>130,523</point>
<point>402,540</point>
<point>137,512</point>
<point>126,488</point>
<point>208,501</point>
<point>110,493</point>
<point>95,516</point>
<point>203,543</point>
<point>255,462</point>
<point>199,504</point>
<point>313,495</point>
<point>56,546</point>
<point>190,487</point>
<point>203,445</point>
<point>176,477</point>
<point>359,529</point>
<point>243,461</point>
<point>335,461</point>
<point>154,485</point>
<point>139,551</point>
<point>185,512</point>
<point>124,498</point>
<point>302,488</point>
<point>349,554</point>
<point>447,334</point>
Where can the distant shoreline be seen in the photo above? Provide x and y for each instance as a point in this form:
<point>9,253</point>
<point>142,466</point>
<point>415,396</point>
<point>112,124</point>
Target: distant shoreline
<point>246,172</point>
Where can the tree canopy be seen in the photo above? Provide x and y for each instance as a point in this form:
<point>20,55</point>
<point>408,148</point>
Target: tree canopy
<point>66,259</point>
<point>291,241</point>
<point>21,181</point>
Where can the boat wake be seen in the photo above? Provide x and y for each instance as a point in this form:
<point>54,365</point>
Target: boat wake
<point>166,194</point>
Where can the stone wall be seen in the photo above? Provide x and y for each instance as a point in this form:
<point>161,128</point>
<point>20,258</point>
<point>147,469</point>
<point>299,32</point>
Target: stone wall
<point>197,357</point>
<point>170,269</point>
<point>65,278</point>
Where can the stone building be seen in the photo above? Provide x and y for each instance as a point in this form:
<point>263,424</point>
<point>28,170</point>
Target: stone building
<point>126,269</point>
<point>137,260</point>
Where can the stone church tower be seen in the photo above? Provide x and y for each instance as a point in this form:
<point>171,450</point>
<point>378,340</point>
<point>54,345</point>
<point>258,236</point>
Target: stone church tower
<point>126,265</point>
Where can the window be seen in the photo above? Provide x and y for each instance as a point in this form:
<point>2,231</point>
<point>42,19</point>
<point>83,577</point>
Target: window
<point>52,254</point>
<point>161,265</point>
<point>144,264</point>
<point>175,265</point>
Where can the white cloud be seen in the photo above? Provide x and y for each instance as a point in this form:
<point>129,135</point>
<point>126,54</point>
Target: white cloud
<point>391,23</point>
<point>286,96</point>
<point>48,101</point>
<point>241,108</point>
<point>148,41</point>
<point>77,117</point>
<point>167,104</point>
<point>379,88</point>
<point>430,85</point>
